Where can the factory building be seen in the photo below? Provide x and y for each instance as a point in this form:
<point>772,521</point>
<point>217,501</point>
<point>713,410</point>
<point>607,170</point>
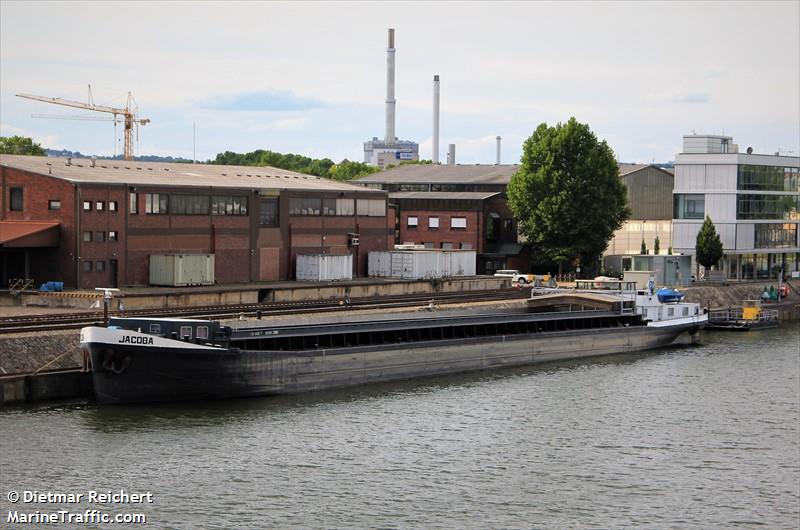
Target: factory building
<point>649,192</point>
<point>390,150</point>
<point>752,199</point>
<point>96,223</point>
<point>456,207</point>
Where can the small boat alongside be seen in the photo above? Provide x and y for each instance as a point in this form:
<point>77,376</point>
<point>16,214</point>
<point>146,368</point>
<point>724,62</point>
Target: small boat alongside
<point>149,359</point>
<point>748,317</point>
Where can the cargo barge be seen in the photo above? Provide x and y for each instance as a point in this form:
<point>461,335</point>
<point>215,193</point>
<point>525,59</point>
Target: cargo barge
<point>145,360</point>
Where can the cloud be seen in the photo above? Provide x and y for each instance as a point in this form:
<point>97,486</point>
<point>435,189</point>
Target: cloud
<point>261,101</point>
<point>680,96</point>
<point>48,141</point>
<point>692,97</point>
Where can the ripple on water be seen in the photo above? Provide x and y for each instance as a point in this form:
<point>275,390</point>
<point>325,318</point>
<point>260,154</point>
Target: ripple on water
<point>684,437</point>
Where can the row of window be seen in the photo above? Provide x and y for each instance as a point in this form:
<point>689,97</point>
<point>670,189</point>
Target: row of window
<point>180,204</point>
<point>446,246</point>
<point>692,206</point>
<point>100,237</point>
<point>775,235</point>
<point>99,206</point>
<point>456,223</point>
<point>96,266</point>
<point>767,206</point>
<point>767,178</point>
<point>312,206</point>
<point>201,332</point>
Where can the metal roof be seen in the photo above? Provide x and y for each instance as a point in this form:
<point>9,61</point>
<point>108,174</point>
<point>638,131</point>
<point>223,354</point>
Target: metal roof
<point>129,172</point>
<point>436,173</point>
<point>462,174</point>
<point>627,169</point>
<point>29,233</point>
<point>468,195</point>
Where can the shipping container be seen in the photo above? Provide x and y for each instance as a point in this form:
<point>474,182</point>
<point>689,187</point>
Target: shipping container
<point>421,264</point>
<point>179,270</point>
<point>324,267</point>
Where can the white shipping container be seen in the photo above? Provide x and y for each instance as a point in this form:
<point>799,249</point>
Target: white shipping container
<point>324,267</point>
<point>421,264</point>
<point>179,270</point>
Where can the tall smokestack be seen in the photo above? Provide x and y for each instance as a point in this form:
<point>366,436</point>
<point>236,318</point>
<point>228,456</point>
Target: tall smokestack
<point>390,101</point>
<point>451,155</point>
<point>435,148</point>
<point>498,150</point>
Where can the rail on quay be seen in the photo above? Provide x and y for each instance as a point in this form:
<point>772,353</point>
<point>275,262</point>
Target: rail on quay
<point>263,293</point>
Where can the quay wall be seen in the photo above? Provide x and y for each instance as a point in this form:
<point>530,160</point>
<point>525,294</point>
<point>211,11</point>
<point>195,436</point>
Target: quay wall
<point>166,298</point>
<point>28,352</point>
<point>732,296</point>
<point>62,384</point>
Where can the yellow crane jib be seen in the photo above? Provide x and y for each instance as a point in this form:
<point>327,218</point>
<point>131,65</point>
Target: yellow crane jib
<point>128,114</point>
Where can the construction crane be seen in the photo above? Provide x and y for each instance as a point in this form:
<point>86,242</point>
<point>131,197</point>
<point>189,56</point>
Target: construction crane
<point>127,115</point>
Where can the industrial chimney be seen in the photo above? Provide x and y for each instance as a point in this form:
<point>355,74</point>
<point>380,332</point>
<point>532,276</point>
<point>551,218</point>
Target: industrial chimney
<point>435,148</point>
<point>390,101</point>
<point>498,151</point>
<point>451,155</point>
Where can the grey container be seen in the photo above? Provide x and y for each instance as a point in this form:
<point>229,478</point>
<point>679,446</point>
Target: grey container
<point>421,264</point>
<point>180,270</point>
<point>324,267</point>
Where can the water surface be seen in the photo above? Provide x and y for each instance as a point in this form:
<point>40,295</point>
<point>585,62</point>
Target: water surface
<point>685,437</point>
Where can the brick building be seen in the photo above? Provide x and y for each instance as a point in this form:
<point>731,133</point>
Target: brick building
<point>455,206</point>
<point>95,223</point>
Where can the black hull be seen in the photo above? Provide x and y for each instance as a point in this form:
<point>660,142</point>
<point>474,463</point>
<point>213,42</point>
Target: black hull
<point>132,373</point>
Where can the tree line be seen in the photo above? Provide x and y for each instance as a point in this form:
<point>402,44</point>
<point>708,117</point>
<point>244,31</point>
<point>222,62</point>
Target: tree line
<point>324,167</point>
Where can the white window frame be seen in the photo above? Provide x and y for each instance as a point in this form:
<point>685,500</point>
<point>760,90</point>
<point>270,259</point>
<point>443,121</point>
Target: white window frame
<point>459,223</point>
<point>413,221</point>
<point>433,222</point>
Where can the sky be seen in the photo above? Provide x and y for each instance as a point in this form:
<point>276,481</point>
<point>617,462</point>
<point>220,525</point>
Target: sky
<point>310,78</point>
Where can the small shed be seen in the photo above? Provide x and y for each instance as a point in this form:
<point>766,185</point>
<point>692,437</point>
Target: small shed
<point>674,270</point>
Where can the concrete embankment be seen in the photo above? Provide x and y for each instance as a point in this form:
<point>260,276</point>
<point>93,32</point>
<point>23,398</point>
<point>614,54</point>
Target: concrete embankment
<point>732,295</point>
<point>41,366</point>
<point>23,355</point>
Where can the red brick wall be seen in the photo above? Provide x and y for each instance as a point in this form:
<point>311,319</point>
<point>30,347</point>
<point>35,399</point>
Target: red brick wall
<point>46,264</point>
<point>104,221</point>
<point>444,234</point>
<point>307,237</point>
<point>243,250</point>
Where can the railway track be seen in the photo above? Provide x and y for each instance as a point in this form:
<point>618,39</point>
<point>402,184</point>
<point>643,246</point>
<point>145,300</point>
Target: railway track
<point>67,321</point>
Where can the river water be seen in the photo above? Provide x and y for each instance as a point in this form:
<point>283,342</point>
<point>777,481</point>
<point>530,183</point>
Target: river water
<point>701,436</point>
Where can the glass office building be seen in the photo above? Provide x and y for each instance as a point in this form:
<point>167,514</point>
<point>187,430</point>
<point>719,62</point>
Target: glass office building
<point>753,200</point>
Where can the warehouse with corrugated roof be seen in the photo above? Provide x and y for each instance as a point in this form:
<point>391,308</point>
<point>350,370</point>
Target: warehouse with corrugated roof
<point>91,223</point>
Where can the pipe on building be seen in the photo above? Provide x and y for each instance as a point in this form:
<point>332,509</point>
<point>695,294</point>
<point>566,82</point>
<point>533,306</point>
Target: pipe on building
<point>435,146</point>
<point>451,155</point>
<point>390,101</point>
<point>498,150</point>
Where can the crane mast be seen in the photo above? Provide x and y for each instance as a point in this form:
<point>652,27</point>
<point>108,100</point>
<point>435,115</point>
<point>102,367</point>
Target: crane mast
<point>128,114</point>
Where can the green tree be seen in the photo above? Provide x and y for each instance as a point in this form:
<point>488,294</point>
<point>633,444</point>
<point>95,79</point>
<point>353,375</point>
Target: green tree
<point>708,247</point>
<point>567,195</point>
<point>20,145</point>
<point>347,170</point>
<point>657,246</point>
<point>643,250</point>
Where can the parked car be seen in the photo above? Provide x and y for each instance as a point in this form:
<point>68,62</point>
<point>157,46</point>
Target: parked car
<point>515,275</point>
